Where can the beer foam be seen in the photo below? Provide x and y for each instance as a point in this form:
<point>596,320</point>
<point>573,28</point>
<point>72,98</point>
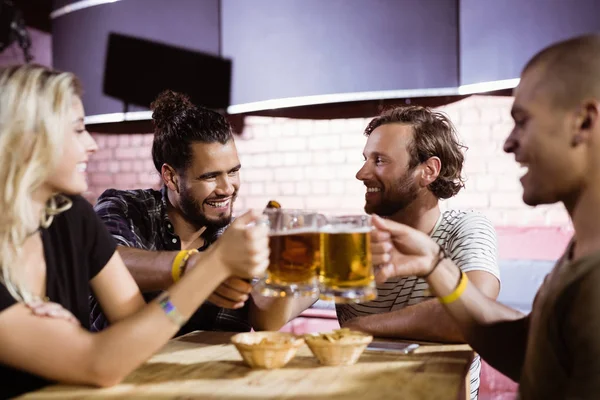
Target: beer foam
<point>345,228</point>
<point>294,231</point>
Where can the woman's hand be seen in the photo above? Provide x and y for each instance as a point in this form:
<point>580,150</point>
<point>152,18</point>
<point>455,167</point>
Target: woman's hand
<point>399,250</point>
<point>244,246</point>
<point>51,310</point>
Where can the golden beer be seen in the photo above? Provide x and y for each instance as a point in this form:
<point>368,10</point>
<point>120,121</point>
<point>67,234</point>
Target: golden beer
<point>346,260</point>
<point>294,259</point>
<point>295,245</point>
<point>346,274</point>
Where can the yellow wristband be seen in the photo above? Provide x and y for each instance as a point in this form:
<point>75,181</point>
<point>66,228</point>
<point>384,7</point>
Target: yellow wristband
<point>179,263</point>
<point>452,297</point>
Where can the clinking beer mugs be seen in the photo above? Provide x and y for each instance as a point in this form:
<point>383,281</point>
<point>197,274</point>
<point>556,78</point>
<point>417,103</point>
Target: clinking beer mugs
<point>314,255</point>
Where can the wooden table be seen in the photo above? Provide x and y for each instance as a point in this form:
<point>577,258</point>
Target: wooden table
<point>205,365</point>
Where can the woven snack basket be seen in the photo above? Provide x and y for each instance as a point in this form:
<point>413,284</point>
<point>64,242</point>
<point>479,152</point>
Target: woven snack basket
<point>341,351</point>
<point>268,350</point>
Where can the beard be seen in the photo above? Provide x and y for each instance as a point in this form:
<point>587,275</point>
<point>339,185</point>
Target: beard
<point>192,211</point>
<point>396,198</point>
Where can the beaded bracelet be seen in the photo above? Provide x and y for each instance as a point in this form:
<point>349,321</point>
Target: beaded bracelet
<point>164,301</point>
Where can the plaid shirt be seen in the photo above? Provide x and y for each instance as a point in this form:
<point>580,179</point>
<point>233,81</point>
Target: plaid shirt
<point>138,218</point>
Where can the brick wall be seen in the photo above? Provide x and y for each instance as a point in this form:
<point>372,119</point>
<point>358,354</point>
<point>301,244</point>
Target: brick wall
<point>312,163</point>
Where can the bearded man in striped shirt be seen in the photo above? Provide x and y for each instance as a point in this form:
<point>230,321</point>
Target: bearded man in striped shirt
<point>413,159</point>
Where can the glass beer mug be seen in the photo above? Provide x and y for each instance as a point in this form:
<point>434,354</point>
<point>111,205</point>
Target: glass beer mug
<point>346,274</point>
<point>294,242</point>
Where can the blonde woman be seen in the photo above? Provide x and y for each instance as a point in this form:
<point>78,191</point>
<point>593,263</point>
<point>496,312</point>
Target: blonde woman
<point>53,249</point>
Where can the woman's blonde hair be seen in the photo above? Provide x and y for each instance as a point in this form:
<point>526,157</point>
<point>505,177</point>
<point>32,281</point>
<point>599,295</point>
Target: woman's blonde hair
<point>35,103</point>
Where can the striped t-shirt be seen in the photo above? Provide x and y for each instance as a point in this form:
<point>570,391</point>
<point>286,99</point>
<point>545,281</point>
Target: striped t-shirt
<point>469,239</point>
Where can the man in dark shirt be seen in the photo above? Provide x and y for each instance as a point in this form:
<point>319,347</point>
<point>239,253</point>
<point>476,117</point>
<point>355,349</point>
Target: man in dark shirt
<point>195,154</point>
<point>554,352</point>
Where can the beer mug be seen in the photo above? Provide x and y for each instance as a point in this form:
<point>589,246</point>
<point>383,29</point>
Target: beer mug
<point>295,253</point>
<point>346,274</point>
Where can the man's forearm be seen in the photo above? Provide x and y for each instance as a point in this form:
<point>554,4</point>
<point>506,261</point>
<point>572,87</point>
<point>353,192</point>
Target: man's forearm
<point>497,332</point>
<point>150,269</point>
<point>427,321</point>
<point>272,313</point>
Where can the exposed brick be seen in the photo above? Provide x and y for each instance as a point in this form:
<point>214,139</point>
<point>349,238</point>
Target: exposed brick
<point>482,183</point>
<point>292,202</point>
<point>356,126</point>
<point>468,200</point>
<point>470,116</point>
<point>324,142</point>
<point>303,188</point>
<point>338,126</point>
<point>509,183</point>
<point>257,132</point>
<point>257,188</point>
<point>114,166</point>
<point>352,204</point>
<point>290,129</point>
<point>506,200</point>
<point>291,143</point>
<point>274,159</point>
<point>320,157</point>
<point>101,140</point>
<point>490,115</point>
<point>319,187</point>
<point>287,188</point>
<point>293,159</point>
<point>324,202</point>
<point>306,128</point>
<point>355,187</point>
<point>336,187</point>
<point>144,151</point>
<point>148,139</point>
<point>128,180</point>
<point>101,179</point>
<point>474,165</point>
<point>146,179</point>
<point>103,154</point>
<point>257,175</point>
<point>355,156</point>
<point>558,217</point>
<point>126,153</point>
<point>137,140</point>
<point>272,189</point>
<point>239,206</point>
<point>112,141</point>
<point>502,165</point>
<point>356,141</point>
<point>259,146</point>
<point>501,131</point>
<point>320,173</point>
<point>287,174</point>
<point>124,140</point>
<point>346,171</point>
<point>321,127</point>
<point>497,217</point>
<point>337,156</point>
<point>260,160</point>
<point>125,166</point>
<point>256,202</point>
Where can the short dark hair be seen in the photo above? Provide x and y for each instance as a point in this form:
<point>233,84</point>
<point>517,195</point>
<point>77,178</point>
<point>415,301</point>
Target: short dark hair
<point>570,69</point>
<point>179,123</point>
<point>433,136</point>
